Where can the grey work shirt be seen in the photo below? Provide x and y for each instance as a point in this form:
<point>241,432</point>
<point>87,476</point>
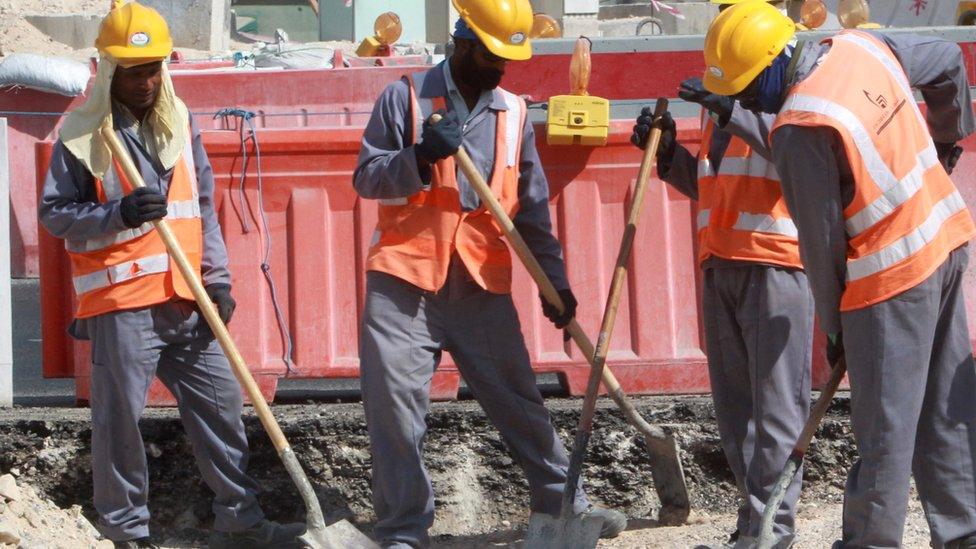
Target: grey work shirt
<point>682,170</point>
<point>69,207</point>
<point>816,175</point>
<point>387,166</point>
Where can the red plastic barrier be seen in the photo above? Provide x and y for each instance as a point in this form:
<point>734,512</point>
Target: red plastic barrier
<point>317,260</point>
<point>300,98</point>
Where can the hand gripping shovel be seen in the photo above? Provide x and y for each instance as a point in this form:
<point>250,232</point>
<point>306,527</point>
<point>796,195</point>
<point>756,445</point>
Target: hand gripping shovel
<point>669,479</point>
<point>340,535</point>
<point>767,539</point>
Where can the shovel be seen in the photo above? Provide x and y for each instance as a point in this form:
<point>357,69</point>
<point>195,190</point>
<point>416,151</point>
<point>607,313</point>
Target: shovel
<point>340,535</point>
<point>669,479</point>
<point>767,539</point>
<point>570,530</point>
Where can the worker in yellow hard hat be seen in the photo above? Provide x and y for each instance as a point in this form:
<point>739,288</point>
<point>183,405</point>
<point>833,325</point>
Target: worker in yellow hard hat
<point>756,301</point>
<point>133,304</point>
<point>439,277</point>
<point>884,236</point>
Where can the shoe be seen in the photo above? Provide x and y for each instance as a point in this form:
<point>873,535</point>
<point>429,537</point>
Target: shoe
<point>140,543</point>
<point>265,534</point>
<point>614,522</point>
<point>965,542</point>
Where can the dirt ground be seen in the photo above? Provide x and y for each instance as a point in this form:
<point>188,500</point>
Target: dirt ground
<point>481,494</point>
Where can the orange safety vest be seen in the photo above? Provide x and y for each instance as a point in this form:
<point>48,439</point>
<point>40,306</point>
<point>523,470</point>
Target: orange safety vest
<point>131,269</point>
<point>906,215</point>
<point>415,236</point>
<point>742,214</point>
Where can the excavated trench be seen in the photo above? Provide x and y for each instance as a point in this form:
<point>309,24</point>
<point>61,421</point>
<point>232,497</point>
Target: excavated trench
<point>479,488</point>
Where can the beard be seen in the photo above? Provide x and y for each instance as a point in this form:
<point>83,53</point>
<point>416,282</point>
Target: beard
<point>478,77</point>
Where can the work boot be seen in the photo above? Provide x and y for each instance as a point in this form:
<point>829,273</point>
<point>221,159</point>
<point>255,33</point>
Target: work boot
<point>614,522</point>
<point>140,543</point>
<point>266,534</point>
<point>965,542</point>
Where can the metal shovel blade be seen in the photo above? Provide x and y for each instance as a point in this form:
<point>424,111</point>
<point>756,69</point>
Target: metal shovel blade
<point>576,532</point>
<point>339,535</point>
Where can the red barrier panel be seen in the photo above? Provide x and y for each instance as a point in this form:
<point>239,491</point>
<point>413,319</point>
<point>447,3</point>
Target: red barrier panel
<point>320,232</point>
<point>327,97</point>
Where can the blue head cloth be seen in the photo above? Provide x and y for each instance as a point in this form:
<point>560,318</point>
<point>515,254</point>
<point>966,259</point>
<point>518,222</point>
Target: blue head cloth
<point>462,30</point>
<point>772,83</point>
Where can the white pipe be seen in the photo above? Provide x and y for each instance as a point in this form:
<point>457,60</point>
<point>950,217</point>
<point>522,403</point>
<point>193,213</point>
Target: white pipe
<point>6,340</point>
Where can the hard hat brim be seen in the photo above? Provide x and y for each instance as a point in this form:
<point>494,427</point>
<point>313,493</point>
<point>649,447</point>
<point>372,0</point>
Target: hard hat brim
<point>150,53</point>
<point>512,52</point>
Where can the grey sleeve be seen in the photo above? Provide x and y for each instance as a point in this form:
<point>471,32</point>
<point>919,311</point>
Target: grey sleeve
<point>213,265</point>
<point>532,219</point>
<point>935,67</point>
<point>753,128</point>
<point>386,167</point>
<point>68,206</point>
<point>812,189</point>
<point>681,172</point>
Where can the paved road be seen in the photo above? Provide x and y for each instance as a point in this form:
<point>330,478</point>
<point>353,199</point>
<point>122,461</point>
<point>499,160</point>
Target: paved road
<point>31,389</point>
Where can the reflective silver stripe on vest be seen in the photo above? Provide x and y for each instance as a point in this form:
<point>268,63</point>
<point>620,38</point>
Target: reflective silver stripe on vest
<point>393,201</point>
<point>705,168</point>
<point>95,244</point>
<point>752,166</point>
<point>115,274</point>
<point>895,192</point>
<point>908,245</point>
<point>513,126</point>
<point>703,216</point>
<point>762,223</point>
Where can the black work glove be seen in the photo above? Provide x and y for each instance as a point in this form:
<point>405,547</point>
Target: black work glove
<point>439,140</point>
<point>835,348</point>
<point>693,90</point>
<point>561,320</point>
<point>949,154</point>
<point>220,295</point>
<point>141,206</point>
<point>669,137</point>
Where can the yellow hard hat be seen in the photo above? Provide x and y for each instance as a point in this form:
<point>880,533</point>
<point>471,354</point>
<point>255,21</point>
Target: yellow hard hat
<point>133,34</point>
<point>741,42</point>
<point>503,26</point>
<point>730,2</point>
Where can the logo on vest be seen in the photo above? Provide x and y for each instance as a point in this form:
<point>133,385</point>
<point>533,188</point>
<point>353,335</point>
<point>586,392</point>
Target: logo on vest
<point>887,113</point>
<point>879,101</point>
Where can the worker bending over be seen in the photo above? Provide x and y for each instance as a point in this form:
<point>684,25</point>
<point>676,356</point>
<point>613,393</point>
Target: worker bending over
<point>439,273</point>
<point>883,234</point>
<point>133,303</point>
<point>756,300</point>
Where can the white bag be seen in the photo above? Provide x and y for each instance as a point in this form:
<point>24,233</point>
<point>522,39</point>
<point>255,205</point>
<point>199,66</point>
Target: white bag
<point>49,74</point>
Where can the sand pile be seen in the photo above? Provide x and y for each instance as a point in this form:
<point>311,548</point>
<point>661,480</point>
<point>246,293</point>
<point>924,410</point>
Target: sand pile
<point>29,520</point>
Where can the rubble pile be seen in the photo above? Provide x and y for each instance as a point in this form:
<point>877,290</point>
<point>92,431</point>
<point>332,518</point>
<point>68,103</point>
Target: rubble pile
<point>30,520</point>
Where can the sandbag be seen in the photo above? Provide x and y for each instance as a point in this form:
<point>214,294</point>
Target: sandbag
<point>48,74</point>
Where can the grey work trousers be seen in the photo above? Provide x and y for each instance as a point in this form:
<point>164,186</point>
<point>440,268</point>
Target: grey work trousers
<point>172,341</point>
<point>913,406</point>
<point>759,337</point>
<point>404,332</point>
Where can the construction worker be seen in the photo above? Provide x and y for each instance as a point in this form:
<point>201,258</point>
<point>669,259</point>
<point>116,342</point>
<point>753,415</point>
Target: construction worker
<point>439,272</point>
<point>883,235</point>
<point>756,301</point>
<point>133,303</point>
